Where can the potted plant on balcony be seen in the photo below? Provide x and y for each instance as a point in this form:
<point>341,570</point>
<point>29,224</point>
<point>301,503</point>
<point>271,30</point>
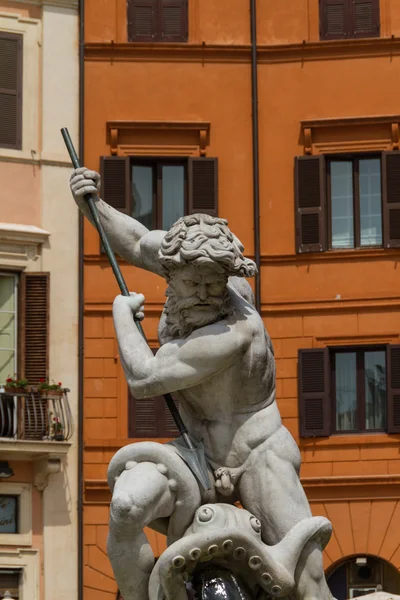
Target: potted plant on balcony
<point>14,385</point>
<point>57,428</point>
<point>50,389</point>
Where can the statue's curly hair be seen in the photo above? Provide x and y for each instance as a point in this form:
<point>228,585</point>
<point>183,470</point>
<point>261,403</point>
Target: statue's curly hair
<point>203,239</point>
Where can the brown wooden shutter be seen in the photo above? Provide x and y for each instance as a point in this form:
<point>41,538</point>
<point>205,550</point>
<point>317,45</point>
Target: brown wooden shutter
<point>115,182</point>
<point>173,20</point>
<point>334,19</point>
<point>393,379</point>
<point>150,418</point>
<point>310,193</point>
<point>34,326</point>
<point>203,186</point>
<point>10,90</point>
<point>365,18</point>
<point>142,20</point>
<point>391,199</point>
<point>314,393</point>
<point>142,416</point>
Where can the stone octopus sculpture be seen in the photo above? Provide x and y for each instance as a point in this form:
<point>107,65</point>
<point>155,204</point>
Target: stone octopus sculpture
<point>222,543</point>
<point>229,538</point>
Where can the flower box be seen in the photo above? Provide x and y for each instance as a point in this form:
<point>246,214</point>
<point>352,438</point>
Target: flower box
<point>51,393</point>
<point>15,390</point>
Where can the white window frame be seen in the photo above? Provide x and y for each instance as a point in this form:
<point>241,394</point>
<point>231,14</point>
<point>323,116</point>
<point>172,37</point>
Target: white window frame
<point>358,588</point>
<point>30,29</point>
<point>24,493</point>
<point>27,560</point>
<point>5,274</point>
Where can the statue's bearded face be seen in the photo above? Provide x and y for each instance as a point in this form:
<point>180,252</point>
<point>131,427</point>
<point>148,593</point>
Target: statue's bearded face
<point>197,296</point>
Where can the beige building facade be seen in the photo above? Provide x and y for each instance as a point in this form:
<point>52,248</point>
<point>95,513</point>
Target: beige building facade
<point>39,94</point>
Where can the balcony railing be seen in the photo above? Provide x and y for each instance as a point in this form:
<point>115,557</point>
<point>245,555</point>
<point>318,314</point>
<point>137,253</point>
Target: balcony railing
<point>33,416</point>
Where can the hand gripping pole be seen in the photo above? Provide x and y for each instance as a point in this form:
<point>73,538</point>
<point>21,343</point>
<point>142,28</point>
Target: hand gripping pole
<point>193,455</point>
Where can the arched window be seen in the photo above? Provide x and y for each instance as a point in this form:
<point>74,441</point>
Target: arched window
<point>362,575</point>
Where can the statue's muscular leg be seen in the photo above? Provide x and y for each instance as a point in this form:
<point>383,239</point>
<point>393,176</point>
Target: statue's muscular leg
<point>270,489</point>
<point>141,494</point>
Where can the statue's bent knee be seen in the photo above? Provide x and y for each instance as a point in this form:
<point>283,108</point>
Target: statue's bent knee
<point>125,512</point>
<point>150,480</point>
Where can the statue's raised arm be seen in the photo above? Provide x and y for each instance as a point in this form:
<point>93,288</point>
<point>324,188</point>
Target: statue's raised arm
<point>130,239</point>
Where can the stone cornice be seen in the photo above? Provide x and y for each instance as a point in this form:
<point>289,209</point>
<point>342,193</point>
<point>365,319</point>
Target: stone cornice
<point>201,129</point>
<point>11,449</point>
<point>61,3</point>
<point>57,3</point>
<point>307,51</point>
<point>20,244</point>
<point>350,121</point>
<point>390,141</point>
<point>28,234</point>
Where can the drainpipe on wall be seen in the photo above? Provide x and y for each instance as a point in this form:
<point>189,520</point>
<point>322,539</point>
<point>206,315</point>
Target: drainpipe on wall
<point>256,178</point>
<point>80,317</point>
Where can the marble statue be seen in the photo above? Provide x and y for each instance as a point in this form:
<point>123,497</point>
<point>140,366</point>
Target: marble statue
<point>217,359</point>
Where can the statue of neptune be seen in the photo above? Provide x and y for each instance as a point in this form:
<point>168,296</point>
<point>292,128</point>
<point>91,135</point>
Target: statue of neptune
<point>217,359</point>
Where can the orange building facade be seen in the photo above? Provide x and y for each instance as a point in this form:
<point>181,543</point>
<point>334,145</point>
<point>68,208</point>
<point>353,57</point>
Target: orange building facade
<point>162,97</point>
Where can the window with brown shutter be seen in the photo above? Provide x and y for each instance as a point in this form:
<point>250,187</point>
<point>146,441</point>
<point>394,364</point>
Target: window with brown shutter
<point>10,90</point>
<point>157,20</point>
<point>365,18</point>
<point>158,191</point>
<point>34,326</point>
<point>391,199</point>
<point>349,201</point>
<point>310,195</point>
<point>394,389</point>
<point>115,182</point>
<point>353,389</point>
<point>359,389</point>
<point>314,402</point>
<point>203,186</point>
<point>344,19</point>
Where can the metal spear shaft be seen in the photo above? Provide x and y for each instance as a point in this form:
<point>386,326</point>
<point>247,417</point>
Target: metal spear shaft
<point>121,282</point>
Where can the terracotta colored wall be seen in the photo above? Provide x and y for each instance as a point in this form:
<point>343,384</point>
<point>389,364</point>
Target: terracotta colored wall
<point>354,480</point>
<point>20,194</point>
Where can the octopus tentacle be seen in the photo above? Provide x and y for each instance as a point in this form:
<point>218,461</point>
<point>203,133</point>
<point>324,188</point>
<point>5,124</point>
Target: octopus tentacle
<point>270,567</point>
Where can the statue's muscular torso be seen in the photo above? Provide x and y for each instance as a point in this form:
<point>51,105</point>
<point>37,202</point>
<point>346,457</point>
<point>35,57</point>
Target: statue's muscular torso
<point>225,410</point>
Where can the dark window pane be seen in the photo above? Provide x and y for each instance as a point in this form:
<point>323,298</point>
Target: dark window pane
<point>8,514</point>
<point>370,202</point>
<point>142,194</point>
<point>9,582</point>
<point>375,390</point>
<point>173,194</point>
<point>337,583</point>
<point>342,204</point>
<point>346,391</point>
